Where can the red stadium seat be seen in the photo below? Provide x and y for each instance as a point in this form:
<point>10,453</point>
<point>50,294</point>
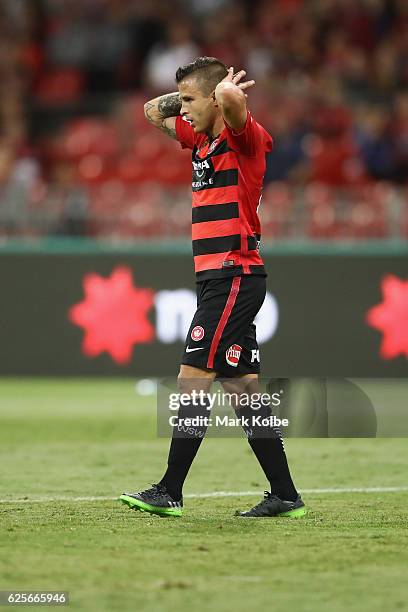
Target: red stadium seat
<point>275,210</point>
<point>404,214</point>
<point>364,214</point>
<point>60,86</point>
<point>91,135</point>
<point>367,220</point>
<point>95,168</point>
<point>132,169</point>
<point>140,213</point>
<point>321,214</point>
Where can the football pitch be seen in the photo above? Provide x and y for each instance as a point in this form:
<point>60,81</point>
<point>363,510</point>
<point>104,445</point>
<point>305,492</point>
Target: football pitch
<point>70,447</point>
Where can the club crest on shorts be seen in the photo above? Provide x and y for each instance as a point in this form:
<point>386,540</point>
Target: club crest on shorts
<point>233,354</point>
<point>197,333</point>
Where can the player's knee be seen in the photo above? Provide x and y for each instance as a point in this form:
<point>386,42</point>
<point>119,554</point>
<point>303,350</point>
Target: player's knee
<point>194,379</point>
<point>241,384</point>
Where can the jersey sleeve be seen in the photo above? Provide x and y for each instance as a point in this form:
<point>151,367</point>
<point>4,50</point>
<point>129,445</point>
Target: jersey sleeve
<point>184,133</point>
<point>251,139</point>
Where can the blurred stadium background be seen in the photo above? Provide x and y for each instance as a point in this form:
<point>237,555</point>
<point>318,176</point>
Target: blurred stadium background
<point>77,157</point>
<point>82,173</point>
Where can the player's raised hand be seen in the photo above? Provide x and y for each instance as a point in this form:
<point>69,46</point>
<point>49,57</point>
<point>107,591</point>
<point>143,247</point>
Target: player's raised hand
<point>236,78</point>
<point>230,96</point>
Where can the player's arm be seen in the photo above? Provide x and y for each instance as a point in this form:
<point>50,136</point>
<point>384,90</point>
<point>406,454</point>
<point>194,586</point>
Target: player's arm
<point>231,98</point>
<point>162,112</point>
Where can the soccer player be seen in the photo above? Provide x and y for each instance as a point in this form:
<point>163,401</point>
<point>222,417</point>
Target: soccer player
<point>209,115</point>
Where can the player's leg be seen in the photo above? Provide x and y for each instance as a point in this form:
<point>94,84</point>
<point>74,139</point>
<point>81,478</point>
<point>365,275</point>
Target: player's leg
<point>266,442</point>
<point>166,497</point>
<point>237,359</point>
<point>195,375</point>
<point>267,445</point>
<point>186,441</point>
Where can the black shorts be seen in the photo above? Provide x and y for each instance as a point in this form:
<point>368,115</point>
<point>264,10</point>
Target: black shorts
<point>222,334</point>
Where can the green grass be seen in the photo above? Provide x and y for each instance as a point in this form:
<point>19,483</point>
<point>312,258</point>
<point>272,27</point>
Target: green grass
<point>88,438</point>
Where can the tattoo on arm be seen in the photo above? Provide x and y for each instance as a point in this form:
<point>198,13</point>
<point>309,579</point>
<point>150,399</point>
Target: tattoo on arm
<point>162,108</point>
<point>169,105</point>
<point>148,110</point>
<point>169,131</point>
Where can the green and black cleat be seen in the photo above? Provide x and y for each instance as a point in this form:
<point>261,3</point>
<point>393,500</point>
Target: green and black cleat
<point>272,505</point>
<point>155,500</point>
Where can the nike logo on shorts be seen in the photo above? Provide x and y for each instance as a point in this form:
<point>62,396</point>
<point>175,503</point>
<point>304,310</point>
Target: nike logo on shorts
<point>190,350</point>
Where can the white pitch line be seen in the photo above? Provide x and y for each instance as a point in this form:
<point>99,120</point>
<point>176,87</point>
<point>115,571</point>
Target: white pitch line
<point>64,498</point>
<point>303,491</point>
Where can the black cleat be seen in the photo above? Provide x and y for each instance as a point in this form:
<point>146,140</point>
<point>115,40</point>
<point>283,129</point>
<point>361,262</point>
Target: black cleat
<point>272,505</point>
<point>155,500</point>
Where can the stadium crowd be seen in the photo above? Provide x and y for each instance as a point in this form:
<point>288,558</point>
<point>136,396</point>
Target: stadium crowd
<point>78,158</point>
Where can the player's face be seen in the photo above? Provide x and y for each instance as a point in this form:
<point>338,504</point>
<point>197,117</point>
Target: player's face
<point>198,107</point>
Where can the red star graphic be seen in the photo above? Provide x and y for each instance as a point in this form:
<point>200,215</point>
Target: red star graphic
<point>391,317</point>
<point>113,315</point>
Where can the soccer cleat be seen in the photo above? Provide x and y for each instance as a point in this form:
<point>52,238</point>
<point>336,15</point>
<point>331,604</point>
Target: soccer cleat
<point>155,500</point>
<point>272,505</point>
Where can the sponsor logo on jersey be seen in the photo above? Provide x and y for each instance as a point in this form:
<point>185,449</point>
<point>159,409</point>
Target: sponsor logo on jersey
<point>200,168</point>
<point>201,165</point>
<point>233,354</point>
<point>197,333</point>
